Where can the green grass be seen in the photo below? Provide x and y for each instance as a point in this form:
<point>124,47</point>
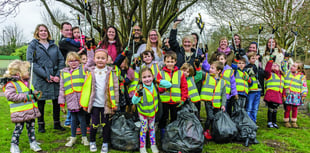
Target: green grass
<point>271,140</point>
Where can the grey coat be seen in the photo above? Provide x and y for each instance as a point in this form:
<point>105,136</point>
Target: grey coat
<point>46,62</point>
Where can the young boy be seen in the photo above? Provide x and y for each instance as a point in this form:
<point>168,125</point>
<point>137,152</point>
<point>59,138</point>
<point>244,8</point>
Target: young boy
<point>213,92</point>
<point>243,81</point>
<point>255,89</point>
<point>175,96</point>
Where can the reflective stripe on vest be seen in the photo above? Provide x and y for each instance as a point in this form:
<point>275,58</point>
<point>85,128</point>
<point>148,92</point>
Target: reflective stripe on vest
<point>21,106</point>
<point>73,82</point>
<point>275,83</point>
<point>133,84</point>
<point>172,94</point>
<point>227,74</point>
<point>294,83</point>
<point>111,92</point>
<point>192,90</point>
<point>148,105</point>
<point>155,69</point>
<point>211,91</point>
<point>254,84</point>
<point>241,85</point>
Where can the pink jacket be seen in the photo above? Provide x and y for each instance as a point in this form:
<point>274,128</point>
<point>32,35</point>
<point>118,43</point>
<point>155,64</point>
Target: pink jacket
<point>11,95</point>
<point>90,66</point>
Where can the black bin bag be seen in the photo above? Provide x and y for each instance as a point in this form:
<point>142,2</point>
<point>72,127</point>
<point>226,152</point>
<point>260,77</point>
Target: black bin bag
<point>246,127</point>
<point>223,128</point>
<point>184,134</point>
<point>124,132</point>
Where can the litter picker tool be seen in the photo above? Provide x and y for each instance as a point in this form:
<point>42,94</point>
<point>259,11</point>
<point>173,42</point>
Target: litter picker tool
<point>91,19</point>
<point>85,13</point>
<point>79,23</point>
<point>295,38</point>
<point>274,29</point>
<point>31,72</point>
<point>261,28</point>
<point>233,38</point>
<point>133,22</point>
<point>200,25</point>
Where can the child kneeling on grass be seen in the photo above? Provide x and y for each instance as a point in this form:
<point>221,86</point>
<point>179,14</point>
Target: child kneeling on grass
<point>22,100</point>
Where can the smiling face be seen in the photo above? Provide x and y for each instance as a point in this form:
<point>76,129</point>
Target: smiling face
<point>241,65</point>
<point>275,67</point>
<point>67,31</point>
<point>111,34</point>
<point>84,59</point>
<point>252,60</point>
<point>213,71</point>
<point>169,62</point>
<point>294,67</point>
<point>222,59</point>
<point>42,34</point>
<point>237,40</point>
<point>147,77</point>
<point>147,58</point>
<point>187,44</point>
<point>76,33</point>
<point>153,37</point>
<point>273,43</point>
<point>100,59</point>
<point>223,44</point>
<point>137,31</point>
<point>252,48</point>
<point>185,72</point>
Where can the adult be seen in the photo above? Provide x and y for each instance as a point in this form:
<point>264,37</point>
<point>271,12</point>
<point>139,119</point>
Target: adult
<point>186,53</point>
<point>153,43</point>
<point>111,42</point>
<point>240,52</point>
<point>253,48</point>
<point>195,42</point>
<point>137,38</point>
<point>47,62</point>
<point>276,52</point>
<point>224,48</point>
<point>64,45</point>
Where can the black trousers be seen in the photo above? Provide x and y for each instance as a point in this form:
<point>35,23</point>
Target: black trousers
<point>211,111</point>
<point>173,114</point>
<point>99,118</point>
<point>56,111</point>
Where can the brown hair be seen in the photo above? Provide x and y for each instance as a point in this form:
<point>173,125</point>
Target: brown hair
<point>239,46</point>
<point>171,54</point>
<point>224,38</point>
<point>146,52</point>
<point>159,43</point>
<point>219,54</point>
<point>189,67</point>
<point>251,55</point>
<point>144,69</point>
<point>76,27</point>
<point>72,56</point>
<point>242,59</point>
<point>267,50</point>
<point>218,65</point>
<point>36,32</point>
<point>300,67</point>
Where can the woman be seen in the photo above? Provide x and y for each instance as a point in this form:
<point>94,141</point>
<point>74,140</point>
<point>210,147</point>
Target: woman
<point>224,48</point>
<point>47,61</point>
<point>240,51</point>
<point>111,42</point>
<point>276,52</point>
<point>153,43</point>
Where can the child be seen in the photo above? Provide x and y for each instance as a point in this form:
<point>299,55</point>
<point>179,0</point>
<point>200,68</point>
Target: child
<point>287,62</point>
<point>146,99</point>
<point>295,85</point>
<point>23,105</point>
<point>177,94</point>
<point>100,95</point>
<point>148,60</point>
<point>243,81</point>
<point>193,93</point>
<point>228,75</point>
<point>71,83</point>
<point>83,57</point>
<point>213,92</point>
<point>76,40</point>
<point>274,91</point>
<point>255,89</point>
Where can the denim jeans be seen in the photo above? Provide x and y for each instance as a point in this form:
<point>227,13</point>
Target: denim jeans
<point>253,104</point>
<point>81,117</point>
<point>68,119</point>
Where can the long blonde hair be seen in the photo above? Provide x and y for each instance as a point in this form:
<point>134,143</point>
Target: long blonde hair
<point>17,68</point>
<point>158,46</point>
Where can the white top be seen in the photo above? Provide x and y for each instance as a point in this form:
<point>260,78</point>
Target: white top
<point>100,96</point>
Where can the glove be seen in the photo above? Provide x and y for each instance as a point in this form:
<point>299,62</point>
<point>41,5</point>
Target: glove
<point>180,104</point>
<point>197,62</point>
<point>140,92</point>
<point>29,97</point>
<point>126,50</point>
<point>90,42</point>
<point>245,77</point>
<point>37,95</point>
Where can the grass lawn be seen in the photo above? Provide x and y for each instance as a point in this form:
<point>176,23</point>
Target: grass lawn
<point>271,140</point>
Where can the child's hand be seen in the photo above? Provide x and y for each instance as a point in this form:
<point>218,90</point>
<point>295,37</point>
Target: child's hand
<point>236,97</point>
<point>37,95</point>
<point>223,108</point>
<point>64,110</point>
<point>29,97</point>
<point>85,109</point>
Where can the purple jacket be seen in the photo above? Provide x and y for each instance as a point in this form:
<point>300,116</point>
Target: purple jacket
<point>16,117</point>
<point>233,92</point>
<point>90,66</point>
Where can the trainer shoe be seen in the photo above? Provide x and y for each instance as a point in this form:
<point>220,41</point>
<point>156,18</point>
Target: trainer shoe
<point>14,148</point>
<point>270,125</point>
<point>92,147</point>
<point>34,146</point>
<point>154,149</point>
<point>104,148</point>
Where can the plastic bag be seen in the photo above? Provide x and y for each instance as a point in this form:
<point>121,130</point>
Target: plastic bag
<point>124,132</point>
<point>184,134</point>
<point>223,128</point>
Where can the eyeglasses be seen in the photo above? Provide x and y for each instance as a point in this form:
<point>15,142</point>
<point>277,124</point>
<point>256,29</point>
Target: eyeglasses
<point>153,35</point>
<point>73,61</point>
<point>136,29</point>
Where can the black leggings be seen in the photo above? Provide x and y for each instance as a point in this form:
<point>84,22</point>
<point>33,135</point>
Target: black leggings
<point>56,111</point>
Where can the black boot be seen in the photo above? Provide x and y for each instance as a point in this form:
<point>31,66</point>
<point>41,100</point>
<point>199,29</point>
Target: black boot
<point>58,127</point>
<point>269,116</point>
<point>255,141</point>
<point>274,119</point>
<point>41,127</point>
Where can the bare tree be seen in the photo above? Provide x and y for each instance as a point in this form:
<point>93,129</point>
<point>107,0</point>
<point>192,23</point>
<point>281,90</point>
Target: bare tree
<point>13,35</point>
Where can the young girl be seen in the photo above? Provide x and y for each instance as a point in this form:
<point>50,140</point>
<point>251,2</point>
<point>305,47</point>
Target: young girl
<point>71,83</point>
<point>100,95</point>
<point>76,40</point>
<point>146,97</point>
<point>274,91</point>
<point>295,86</point>
<point>23,105</point>
<point>228,75</point>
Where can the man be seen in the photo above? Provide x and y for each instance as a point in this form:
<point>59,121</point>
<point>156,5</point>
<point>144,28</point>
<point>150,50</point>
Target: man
<point>66,46</point>
<point>138,38</point>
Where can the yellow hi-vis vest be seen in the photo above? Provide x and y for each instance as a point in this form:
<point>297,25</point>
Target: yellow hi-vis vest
<point>73,82</point>
<point>21,106</point>
<point>148,105</point>
<point>211,91</point>
<point>226,75</point>
<point>274,82</point>
<point>87,87</point>
<point>294,83</point>
<point>192,90</point>
<point>241,85</point>
<point>155,69</point>
<point>133,84</point>
<point>174,93</point>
